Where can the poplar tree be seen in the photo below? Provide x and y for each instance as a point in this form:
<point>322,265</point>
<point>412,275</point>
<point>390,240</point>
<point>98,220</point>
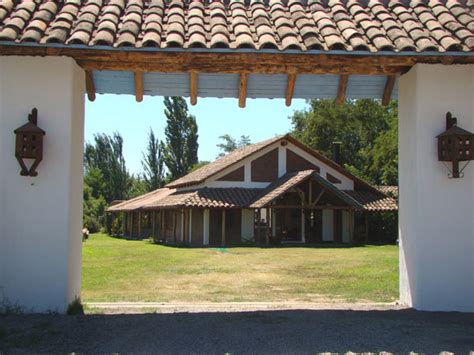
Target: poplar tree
<point>181,132</point>
<point>152,163</point>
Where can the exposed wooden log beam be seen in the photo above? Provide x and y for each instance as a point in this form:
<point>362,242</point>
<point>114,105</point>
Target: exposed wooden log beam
<point>139,86</point>
<point>341,91</point>
<point>243,89</point>
<point>90,87</point>
<point>263,63</point>
<point>316,200</point>
<point>193,87</point>
<point>290,88</point>
<point>387,92</point>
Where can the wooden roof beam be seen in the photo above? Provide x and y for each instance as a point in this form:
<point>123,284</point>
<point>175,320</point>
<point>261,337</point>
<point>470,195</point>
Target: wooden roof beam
<point>90,87</point>
<point>387,92</point>
<point>341,91</point>
<point>290,88</point>
<point>138,86</point>
<point>193,87</point>
<point>243,89</point>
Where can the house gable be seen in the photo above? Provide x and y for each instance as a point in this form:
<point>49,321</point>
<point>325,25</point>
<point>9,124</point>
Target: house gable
<point>235,175</point>
<point>295,162</point>
<point>265,168</point>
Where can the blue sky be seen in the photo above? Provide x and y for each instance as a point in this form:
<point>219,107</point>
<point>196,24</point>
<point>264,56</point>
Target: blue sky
<point>261,119</point>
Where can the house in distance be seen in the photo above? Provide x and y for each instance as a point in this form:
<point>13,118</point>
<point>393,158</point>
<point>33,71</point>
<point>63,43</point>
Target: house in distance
<point>277,190</point>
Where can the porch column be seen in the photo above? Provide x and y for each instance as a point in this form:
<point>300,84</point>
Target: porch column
<point>303,231</point>
<point>124,223</point>
<point>223,242</point>
<point>41,217</point>
<point>436,213</point>
<point>153,224</point>
<point>190,225</point>
<point>205,227</point>
<point>139,224</point>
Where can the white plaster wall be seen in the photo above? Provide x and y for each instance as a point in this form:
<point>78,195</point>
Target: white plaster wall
<point>41,217</point>
<point>436,213</point>
<point>328,225</point>
<point>247,225</point>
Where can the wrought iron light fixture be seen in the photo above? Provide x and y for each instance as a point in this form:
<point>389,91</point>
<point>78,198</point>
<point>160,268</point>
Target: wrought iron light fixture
<point>29,145</point>
<point>455,145</point>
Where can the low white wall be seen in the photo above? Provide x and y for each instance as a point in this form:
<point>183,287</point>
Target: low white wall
<point>436,213</point>
<point>41,217</point>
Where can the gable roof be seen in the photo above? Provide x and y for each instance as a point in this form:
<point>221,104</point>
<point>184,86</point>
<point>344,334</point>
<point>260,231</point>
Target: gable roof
<point>200,175</point>
<point>372,26</point>
<point>290,180</point>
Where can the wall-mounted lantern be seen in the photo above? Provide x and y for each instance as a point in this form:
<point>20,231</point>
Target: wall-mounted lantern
<point>29,144</point>
<point>455,145</point>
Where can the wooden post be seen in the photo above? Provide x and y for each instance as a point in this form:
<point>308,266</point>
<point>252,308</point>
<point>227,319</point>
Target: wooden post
<point>190,227</point>
<point>303,231</point>
<point>259,229</point>
<point>267,234</point>
<point>223,229</point>
<point>351,226</point>
<point>366,227</point>
<point>124,223</point>
<point>181,224</point>
<point>139,224</point>
<point>153,224</point>
<point>131,223</point>
<point>174,226</point>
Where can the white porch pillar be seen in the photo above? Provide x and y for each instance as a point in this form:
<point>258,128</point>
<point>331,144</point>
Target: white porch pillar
<point>205,227</point>
<point>41,217</point>
<point>436,213</point>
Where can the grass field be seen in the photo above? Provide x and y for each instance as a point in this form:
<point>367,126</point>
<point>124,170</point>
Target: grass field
<point>125,270</point>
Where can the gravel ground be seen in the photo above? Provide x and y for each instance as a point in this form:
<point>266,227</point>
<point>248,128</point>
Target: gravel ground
<point>270,331</point>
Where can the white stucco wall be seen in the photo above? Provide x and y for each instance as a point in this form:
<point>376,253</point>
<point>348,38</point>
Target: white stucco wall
<point>436,213</point>
<point>328,225</point>
<point>41,217</point>
<point>247,225</point>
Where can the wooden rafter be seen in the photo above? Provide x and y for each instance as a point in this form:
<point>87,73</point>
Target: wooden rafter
<point>341,91</point>
<point>316,200</point>
<point>290,88</point>
<point>139,86</point>
<point>193,87</point>
<point>243,89</point>
<point>387,92</point>
<point>90,87</point>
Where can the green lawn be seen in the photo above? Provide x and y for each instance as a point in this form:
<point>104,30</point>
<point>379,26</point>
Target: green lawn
<point>124,270</point>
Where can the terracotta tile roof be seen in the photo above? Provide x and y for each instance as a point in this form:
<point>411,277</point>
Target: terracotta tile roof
<point>290,180</point>
<point>373,201</point>
<point>140,201</point>
<point>199,198</point>
<point>218,165</point>
<point>391,191</point>
<point>373,25</point>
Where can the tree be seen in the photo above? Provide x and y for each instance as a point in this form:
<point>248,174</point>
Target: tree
<point>367,130</point>
<point>152,163</point>
<point>181,132</point>
<point>106,155</point>
<point>199,165</point>
<point>230,144</point>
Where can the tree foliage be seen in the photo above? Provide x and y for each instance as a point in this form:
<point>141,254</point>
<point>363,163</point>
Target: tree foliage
<point>153,163</point>
<point>230,143</point>
<point>106,155</point>
<point>367,130</point>
<point>181,132</point>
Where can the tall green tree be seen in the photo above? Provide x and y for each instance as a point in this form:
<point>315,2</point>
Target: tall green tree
<point>106,155</point>
<point>181,133</point>
<point>367,130</point>
<point>230,143</point>
<point>153,163</point>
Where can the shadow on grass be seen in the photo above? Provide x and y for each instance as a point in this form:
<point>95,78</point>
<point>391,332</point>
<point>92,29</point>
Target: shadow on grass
<point>296,331</point>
